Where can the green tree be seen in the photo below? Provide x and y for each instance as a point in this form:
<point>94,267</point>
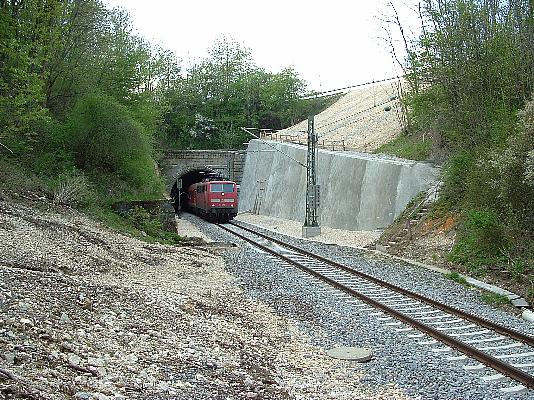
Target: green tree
<point>21,84</point>
<point>107,142</point>
<point>471,74</point>
<point>228,89</point>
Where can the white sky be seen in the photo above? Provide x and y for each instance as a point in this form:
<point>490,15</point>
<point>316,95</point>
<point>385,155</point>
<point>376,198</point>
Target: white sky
<point>330,43</point>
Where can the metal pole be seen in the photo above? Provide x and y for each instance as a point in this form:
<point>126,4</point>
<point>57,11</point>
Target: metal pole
<point>311,223</point>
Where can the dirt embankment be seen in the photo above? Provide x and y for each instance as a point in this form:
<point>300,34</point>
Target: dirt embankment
<point>432,239</point>
<point>87,313</point>
<point>364,118</point>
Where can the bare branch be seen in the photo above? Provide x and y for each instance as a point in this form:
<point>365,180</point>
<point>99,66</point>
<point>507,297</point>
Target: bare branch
<point>4,146</point>
<point>8,374</point>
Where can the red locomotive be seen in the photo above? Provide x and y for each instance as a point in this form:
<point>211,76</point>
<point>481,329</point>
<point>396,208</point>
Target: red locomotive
<point>215,200</point>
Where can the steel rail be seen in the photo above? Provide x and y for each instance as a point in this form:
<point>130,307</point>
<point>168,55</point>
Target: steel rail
<point>504,368</point>
<point>521,337</point>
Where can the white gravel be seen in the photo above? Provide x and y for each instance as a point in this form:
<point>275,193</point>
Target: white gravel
<point>187,229</point>
<point>328,235</point>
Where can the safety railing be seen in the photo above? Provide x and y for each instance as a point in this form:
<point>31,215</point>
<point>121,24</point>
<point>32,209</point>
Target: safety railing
<point>268,134</point>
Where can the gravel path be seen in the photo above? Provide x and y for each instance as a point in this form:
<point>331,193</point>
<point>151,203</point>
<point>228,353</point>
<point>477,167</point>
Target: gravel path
<point>331,320</point>
<point>294,228</point>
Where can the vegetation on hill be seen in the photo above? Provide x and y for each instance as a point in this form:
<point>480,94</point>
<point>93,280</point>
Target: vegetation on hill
<point>227,91</point>
<point>471,79</point>
<point>84,101</point>
<point>76,97</point>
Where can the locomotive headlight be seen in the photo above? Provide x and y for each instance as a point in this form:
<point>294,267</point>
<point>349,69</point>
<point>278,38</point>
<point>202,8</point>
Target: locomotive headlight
<point>215,200</point>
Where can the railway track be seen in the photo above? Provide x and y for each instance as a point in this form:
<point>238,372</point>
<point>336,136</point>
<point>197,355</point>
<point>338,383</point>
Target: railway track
<point>508,352</point>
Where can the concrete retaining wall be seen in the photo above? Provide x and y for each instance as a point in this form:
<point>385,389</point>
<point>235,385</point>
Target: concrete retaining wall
<point>358,191</point>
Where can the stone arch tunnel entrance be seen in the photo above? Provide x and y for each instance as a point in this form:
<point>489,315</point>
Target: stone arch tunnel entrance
<point>182,168</point>
<point>179,189</point>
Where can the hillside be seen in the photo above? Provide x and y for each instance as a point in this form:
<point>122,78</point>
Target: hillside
<point>359,118</point>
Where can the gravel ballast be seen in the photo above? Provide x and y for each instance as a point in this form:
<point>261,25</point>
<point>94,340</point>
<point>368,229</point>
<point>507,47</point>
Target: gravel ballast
<point>331,320</point>
<point>87,313</point>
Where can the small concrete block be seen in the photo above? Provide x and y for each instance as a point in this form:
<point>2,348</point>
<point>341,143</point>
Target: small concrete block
<point>359,354</point>
<point>528,315</point>
<point>310,231</point>
<point>382,248</point>
<point>520,302</point>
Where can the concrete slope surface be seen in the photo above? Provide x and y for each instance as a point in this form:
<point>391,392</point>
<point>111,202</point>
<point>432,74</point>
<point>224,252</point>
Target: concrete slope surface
<point>358,191</point>
<point>359,118</point>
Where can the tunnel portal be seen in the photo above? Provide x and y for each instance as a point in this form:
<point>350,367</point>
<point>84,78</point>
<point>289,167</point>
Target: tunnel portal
<point>179,189</point>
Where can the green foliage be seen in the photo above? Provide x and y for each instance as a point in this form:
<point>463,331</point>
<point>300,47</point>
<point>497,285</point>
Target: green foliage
<point>150,227</point>
<point>495,299</point>
<point>511,168</point>
<point>54,53</point>
<point>517,268</point>
<point>14,178</point>
<point>405,146</point>
<point>529,168</point>
<point>482,241</point>
<point>107,141</point>
<point>227,91</point>
<point>471,69</point>
<point>52,154</point>
<point>470,75</point>
<point>456,277</point>
<point>455,185</point>
<point>21,95</point>
<point>426,110</point>
<point>73,189</point>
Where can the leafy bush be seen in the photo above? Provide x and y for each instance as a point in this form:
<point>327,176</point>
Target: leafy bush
<point>15,178</point>
<point>106,141</point>
<point>52,155</point>
<point>150,225</point>
<point>482,241</point>
<point>454,182</point>
<point>513,167</point>
<point>529,169</point>
<point>426,109</point>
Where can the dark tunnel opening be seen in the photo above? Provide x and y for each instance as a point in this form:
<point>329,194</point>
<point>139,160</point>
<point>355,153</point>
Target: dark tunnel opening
<point>179,195</point>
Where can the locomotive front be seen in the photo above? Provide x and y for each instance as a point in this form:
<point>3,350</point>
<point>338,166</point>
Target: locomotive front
<point>214,200</point>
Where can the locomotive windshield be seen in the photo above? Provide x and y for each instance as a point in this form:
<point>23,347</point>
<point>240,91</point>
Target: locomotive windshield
<point>222,187</point>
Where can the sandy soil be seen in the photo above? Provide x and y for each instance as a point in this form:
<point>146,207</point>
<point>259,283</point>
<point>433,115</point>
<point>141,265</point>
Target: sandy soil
<point>359,118</point>
<point>328,235</point>
<point>187,229</point>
